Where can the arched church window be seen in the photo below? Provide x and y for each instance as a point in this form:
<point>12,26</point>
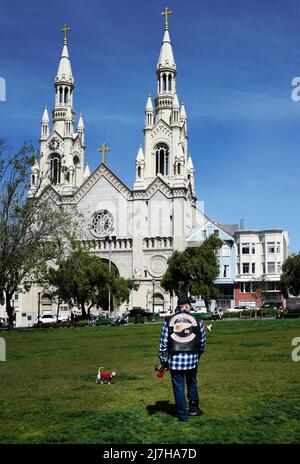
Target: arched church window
<point>66,94</point>
<point>60,95</point>
<point>170,83</point>
<point>162,159</point>
<point>55,169</point>
<point>102,223</point>
<point>164,83</point>
<point>178,169</point>
<point>139,171</point>
<point>76,162</point>
<point>33,179</point>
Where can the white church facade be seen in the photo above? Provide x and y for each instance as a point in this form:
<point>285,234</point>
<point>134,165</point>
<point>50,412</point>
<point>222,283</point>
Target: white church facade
<point>136,229</point>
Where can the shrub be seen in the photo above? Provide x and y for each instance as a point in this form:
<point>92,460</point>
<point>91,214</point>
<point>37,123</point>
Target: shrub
<point>230,314</point>
<point>83,323</point>
<point>293,310</point>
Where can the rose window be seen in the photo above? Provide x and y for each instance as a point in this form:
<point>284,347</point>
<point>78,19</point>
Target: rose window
<point>102,223</point>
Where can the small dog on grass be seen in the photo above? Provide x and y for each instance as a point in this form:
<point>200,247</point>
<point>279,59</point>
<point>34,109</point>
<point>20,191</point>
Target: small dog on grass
<point>208,327</point>
<point>105,377</point>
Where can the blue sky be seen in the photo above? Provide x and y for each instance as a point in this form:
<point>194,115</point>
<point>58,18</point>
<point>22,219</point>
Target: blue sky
<point>235,62</point>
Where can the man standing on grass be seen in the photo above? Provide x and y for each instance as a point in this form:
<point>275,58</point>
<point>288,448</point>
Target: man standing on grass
<point>182,342</point>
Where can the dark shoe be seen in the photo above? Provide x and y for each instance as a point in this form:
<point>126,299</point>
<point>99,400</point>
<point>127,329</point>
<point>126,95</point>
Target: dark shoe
<point>194,409</point>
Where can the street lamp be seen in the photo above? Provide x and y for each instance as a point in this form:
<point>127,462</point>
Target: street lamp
<point>109,269</point>
<point>153,285</point>
<point>109,238</point>
<point>39,306</point>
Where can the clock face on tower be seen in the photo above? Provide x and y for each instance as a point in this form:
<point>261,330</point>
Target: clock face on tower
<point>54,143</point>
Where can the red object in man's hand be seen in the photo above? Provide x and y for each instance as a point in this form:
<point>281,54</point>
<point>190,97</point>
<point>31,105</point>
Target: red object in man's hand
<point>160,374</point>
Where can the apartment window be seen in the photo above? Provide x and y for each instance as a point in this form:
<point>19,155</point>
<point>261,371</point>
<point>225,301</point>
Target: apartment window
<point>253,248</point>
<point>29,318</point>
<point>253,268</point>
<point>225,250</point>
<point>263,268</point>
<point>246,287</point>
<point>23,314</point>
<point>245,248</point>
<point>278,247</point>
<point>216,233</point>
<point>238,249</point>
<point>203,234</point>
<point>16,297</point>
<point>238,268</point>
<point>246,268</point>
<point>271,247</point>
<point>278,268</point>
<point>271,267</point>
<point>226,270</point>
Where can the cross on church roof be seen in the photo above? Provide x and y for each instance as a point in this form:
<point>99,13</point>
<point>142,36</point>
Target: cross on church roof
<point>166,13</point>
<point>65,30</point>
<point>104,149</point>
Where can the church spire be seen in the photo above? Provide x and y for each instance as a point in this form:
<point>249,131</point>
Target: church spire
<point>149,113</point>
<point>45,124</point>
<point>166,76</point>
<point>166,57</point>
<point>64,86</point>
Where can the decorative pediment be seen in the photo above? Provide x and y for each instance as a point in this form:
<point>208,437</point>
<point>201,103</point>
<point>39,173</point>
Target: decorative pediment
<point>102,171</point>
<point>196,235</point>
<point>49,192</point>
<point>158,185</point>
<point>161,131</point>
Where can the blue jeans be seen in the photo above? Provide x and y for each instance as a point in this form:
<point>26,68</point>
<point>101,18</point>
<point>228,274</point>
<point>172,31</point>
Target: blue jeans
<point>178,382</point>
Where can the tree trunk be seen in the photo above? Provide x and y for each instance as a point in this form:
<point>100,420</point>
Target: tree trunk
<point>57,312</point>
<point>9,310</point>
<point>83,311</point>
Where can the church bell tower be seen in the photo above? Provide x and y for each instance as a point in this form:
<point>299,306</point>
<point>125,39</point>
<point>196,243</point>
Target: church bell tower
<point>61,162</point>
<point>165,150</point>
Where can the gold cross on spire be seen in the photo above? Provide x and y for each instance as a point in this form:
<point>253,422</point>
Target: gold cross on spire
<point>166,13</point>
<point>65,30</point>
<point>104,149</point>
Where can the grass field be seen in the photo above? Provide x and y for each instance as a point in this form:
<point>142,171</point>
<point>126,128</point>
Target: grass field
<point>249,386</point>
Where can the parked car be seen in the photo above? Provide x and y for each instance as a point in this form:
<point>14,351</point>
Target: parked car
<point>198,310</point>
<point>243,308</point>
<point>3,324</point>
<point>272,304</point>
<point>137,310</point>
<point>63,318</point>
<point>165,313</point>
<point>46,319</point>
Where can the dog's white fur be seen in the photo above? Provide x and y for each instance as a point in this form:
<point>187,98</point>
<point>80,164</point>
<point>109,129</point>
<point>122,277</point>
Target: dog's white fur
<point>101,378</point>
<point>208,327</point>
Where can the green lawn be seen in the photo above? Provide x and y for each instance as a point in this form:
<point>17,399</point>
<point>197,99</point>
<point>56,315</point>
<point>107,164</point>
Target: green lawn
<point>249,386</point>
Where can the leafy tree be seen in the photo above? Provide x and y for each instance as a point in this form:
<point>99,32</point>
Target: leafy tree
<point>84,281</point>
<point>290,277</point>
<point>194,270</point>
<point>32,230</point>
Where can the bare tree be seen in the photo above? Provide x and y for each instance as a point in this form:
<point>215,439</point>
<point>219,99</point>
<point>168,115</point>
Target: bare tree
<point>33,229</point>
